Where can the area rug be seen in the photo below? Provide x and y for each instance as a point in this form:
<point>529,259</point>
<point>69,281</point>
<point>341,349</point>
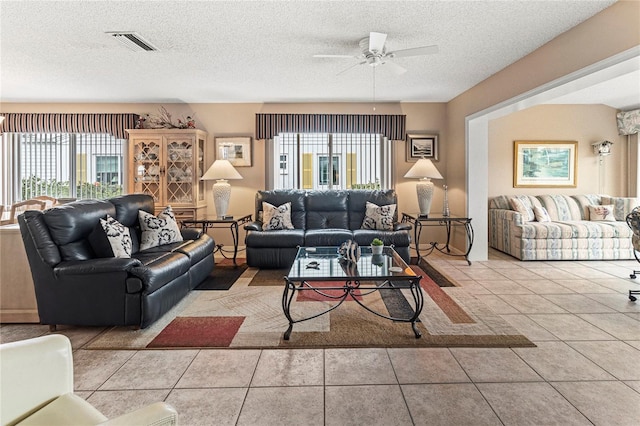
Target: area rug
<point>250,316</point>
<point>223,275</point>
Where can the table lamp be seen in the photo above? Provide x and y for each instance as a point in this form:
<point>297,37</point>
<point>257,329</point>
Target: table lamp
<point>221,170</point>
<point>425,171</point>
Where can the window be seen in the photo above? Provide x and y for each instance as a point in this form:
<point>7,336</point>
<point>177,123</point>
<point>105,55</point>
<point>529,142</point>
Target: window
<point>329,161</point>
<point>61,165</point>
<point>284,166</point>
<point>323,169</point>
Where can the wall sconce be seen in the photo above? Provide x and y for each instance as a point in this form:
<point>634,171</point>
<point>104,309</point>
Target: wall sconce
<point>602,148</point>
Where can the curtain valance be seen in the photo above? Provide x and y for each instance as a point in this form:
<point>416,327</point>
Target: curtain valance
<point>269,125</point>
<point>113,124</point>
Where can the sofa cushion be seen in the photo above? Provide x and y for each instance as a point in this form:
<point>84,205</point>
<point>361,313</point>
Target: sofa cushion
<point>274,218</point>
<point>275,239</point>
<point>562,207</point>
<point>278,197</point>
<point>70,224</point>
<point>542,215</point>
<point>379,217</point>
<point>326,237</point>
<point>522,205</point>
<point>398,239</point>
<point>622,206</point>
<point>117,236</point>
<point>602,213</point>
<point>159,230</point>
<point>159,268</point>
<point>327,210</point>
<point>358,204</point>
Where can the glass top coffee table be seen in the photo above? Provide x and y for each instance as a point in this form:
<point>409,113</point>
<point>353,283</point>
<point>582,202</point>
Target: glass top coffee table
<point>369,274</point>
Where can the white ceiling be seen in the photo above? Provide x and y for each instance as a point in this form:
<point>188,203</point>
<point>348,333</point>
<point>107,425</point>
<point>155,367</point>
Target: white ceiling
<point>238,51</point>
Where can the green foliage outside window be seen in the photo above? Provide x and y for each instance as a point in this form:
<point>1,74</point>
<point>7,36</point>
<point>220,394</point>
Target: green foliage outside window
<point>34,186</point>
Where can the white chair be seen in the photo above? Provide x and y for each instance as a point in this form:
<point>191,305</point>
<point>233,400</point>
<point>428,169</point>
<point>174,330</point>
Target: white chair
<point>36,388</point>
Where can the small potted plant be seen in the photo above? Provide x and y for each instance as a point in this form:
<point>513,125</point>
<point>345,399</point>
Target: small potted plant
<point>376,246</point>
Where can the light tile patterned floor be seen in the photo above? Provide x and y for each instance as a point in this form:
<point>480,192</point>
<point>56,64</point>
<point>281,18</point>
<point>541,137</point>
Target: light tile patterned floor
<point>585,370</point>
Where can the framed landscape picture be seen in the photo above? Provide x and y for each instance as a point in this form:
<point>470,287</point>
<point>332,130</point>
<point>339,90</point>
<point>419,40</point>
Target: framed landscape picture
<point>545,164</point>
<point>422,146</point>
<point>236,149</point>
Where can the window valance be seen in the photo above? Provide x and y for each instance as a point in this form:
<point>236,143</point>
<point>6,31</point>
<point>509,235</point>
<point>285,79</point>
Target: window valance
<point>113,124</point>
<point>269,125</point>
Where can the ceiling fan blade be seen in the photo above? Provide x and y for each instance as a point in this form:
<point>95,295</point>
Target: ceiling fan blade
<point>376,42</point>
<point>351,67</point>
<point>334,56</point>
<point>415,51</point>
<point>395,68</point>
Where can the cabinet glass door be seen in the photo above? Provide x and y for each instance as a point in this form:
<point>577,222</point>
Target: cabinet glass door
<point>180,172</point>
<point>146,158</point>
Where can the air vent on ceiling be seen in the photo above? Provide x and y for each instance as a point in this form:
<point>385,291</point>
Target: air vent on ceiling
<point>132,40</point>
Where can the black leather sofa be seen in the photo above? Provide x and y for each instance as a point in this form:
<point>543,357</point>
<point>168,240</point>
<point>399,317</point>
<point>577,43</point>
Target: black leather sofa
<point>320,218</point>
<point>75,287</point>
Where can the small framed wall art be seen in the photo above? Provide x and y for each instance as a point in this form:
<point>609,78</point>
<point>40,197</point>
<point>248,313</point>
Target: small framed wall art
<point>236,149</point>
<point>545,164</point>
<point>422,146</point>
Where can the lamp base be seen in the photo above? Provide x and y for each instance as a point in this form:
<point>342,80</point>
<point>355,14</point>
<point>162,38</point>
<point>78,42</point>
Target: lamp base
<point>221,196</point>
<point>424,189</point>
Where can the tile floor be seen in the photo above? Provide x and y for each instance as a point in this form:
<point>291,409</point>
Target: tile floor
<point>585,369</point>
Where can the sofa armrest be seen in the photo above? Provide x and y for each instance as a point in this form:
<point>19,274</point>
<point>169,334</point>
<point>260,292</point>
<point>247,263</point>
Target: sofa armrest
<point>191,233</point>
<point>158,414</point>
<point>402,226</point>
<point>95,266</point>
<point>253,226</point>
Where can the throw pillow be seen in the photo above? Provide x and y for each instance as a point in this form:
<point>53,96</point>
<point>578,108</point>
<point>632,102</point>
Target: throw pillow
<point>276,217</point>
<point>118,237</point>
<point>157,231</point>
<point>602,213</point>
<point>542,215</point>
<point>379,217</point>
<point>522,205</point>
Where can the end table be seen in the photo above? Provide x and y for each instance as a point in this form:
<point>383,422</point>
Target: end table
<point>418,221</point>
<point>228,222</point>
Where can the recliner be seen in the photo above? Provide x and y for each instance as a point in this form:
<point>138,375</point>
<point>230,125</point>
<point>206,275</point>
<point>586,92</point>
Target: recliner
<point>36,384</point>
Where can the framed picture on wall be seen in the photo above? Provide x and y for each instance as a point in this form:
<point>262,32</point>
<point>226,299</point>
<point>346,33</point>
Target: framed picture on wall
<point>422,146</point>
<point>545,164</point>
<point>236,149</point>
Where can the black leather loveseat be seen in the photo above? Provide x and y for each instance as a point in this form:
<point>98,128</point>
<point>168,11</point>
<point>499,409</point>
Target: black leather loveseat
<point>75,286</point>
<point>320,218</point>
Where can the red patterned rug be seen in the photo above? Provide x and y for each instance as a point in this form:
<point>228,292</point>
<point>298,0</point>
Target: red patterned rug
<point>251,316</point>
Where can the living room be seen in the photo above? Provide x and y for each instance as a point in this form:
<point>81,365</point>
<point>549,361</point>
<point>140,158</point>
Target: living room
<point>583,47</point>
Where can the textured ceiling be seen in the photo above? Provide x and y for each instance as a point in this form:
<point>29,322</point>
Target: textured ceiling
<point>236,51</point>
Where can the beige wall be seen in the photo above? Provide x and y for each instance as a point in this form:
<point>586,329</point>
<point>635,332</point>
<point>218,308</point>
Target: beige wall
<point>585,124</point>
<point>239,119</point>
<point>612,31</point>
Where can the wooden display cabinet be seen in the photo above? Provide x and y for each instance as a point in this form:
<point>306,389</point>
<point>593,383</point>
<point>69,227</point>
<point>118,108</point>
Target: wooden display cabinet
<point>168,164</point>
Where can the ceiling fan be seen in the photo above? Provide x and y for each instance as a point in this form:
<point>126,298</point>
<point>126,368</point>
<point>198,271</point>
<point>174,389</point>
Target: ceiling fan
<point>374,53</point>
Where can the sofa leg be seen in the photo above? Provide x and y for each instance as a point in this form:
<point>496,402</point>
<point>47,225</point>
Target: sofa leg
<point>52,328</point>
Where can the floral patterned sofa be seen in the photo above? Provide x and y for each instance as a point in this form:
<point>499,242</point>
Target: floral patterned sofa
<point>576,227</point>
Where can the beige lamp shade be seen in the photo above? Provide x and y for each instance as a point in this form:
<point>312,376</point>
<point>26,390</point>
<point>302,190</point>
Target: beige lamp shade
<point>222,170</point>
<point>425,171</point>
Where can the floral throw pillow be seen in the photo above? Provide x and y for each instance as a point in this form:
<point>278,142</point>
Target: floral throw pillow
<point>378,217</point>
<point>118,237</point>
<point>602,213</point>
<point>160,230</point>
<point>276,217</point>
